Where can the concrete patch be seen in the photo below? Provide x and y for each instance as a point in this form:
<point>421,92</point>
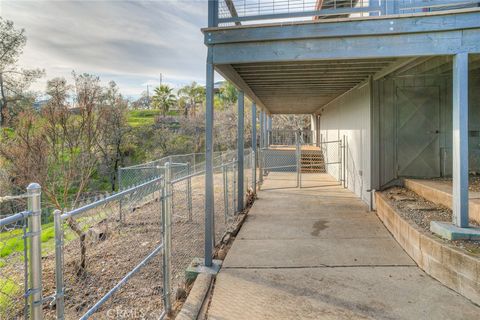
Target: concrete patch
<point>314,253</point>
<point>451,232</point>
<point>192,306</point>
<point>335,293</point>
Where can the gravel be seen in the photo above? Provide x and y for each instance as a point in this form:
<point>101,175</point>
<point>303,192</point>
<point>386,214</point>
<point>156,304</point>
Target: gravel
<point>421,212</point>
<point>474,182</point>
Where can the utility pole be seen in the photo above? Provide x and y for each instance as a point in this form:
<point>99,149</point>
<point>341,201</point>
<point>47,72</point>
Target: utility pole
<point>148,97</point>
<point>161,78</point>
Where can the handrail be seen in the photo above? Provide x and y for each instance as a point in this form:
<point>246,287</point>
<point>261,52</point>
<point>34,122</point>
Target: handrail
<point>112,197</point>
<point>15,218</point>
<point>238,11</point>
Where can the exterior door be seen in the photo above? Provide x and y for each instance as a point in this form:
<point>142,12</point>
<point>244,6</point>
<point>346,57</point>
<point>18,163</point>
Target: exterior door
<point>418,125</point>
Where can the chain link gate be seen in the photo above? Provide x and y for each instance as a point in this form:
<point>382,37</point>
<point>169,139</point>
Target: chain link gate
<point>290,164</point>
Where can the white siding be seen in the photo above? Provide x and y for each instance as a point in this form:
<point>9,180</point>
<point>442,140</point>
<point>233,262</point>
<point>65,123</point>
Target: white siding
<point>349,115</point>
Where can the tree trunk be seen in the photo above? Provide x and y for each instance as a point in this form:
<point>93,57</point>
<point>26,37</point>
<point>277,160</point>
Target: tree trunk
<point>3,101</point>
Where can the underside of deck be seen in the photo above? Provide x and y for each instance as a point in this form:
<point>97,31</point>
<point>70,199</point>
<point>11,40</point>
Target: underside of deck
<point>300,67</point>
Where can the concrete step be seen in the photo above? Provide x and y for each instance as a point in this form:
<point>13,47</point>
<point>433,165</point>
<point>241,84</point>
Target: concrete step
<point>440,192</point>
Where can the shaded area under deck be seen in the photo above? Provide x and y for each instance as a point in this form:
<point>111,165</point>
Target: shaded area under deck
<point>317,252</point>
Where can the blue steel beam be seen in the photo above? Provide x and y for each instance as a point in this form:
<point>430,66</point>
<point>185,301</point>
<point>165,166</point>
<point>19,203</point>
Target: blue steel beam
<point>460,140</point>
<point>240,150</point>
<point>209,197</point>
<point>366,47</point>
<point>254,146</point>
<point>368,26</point>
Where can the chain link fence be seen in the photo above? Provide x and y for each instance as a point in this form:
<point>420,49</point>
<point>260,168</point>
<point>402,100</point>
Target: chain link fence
<point>289,163</point>
<point>283,137</point>
<point>119,255</point>
<point>332,156</point>
<point>14,260</point>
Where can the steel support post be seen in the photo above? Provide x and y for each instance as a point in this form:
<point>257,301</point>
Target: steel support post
<point>265,127</point>
<point>234,187</point>
<point>240,150</point>
<point>59,284</point>
<point>460,140</point>
<point>262,114</point>
<point>34,192</point>
<point>167,237</point>
<point>298,156</point>
<point>209,198</point>
<point>254,147</point>
<point>269,130</point>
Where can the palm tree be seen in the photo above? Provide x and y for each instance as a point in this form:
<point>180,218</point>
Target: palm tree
<point>228,94</point>
<point>163,98</point>
<point>193,95</point>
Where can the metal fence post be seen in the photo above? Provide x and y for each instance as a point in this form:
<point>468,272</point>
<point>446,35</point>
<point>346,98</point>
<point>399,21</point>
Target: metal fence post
<point>254,170</point>
<point>189,192</point>
<point>234,196</point>
<point>261,157</point>
<point>344,148</point>
<point>339,160</point>
<point>167,237</point>
<point>34,192</point>
<point>120,189</point>
<point>225,190</point>
<point>298,156</point>
<point>59,284</point>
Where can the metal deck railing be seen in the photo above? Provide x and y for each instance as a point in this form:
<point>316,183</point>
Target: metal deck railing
<point>239,12</point>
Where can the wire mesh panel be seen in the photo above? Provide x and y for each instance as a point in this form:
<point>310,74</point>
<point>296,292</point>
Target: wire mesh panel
<point>283,137</point>
<point>113,244</point>
<point>332,157</point>
<point>278,160</point>
<point>134,176</point>
<point>188,226</point>
<point>13,262</point>
<point>252,10</point>
<point>279,165</point>
<point>232,12</point>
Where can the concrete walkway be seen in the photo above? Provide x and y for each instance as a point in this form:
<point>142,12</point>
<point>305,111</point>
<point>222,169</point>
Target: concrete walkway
<point>317,253</point>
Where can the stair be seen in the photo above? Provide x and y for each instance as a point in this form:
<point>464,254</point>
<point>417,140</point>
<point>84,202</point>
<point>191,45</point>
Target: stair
<point>312,161</point>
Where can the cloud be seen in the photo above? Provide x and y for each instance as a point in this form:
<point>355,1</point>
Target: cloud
<point>130,42</point>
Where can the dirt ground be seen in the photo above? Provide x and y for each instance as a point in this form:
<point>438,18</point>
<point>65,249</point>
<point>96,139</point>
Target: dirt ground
<point>421,212</point>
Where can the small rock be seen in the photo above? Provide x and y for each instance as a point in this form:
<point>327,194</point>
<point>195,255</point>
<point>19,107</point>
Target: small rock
<point>221,254</point>
<point>180,294</point>
<point>400,197</point>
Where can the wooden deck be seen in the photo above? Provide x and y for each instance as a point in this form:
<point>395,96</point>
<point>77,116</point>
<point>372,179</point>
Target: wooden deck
<point>293,148</point>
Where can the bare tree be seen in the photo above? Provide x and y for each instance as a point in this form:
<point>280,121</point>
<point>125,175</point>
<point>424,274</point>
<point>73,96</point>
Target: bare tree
<point>57,147</point>
<point>13,80</point>
<point>113,128</point>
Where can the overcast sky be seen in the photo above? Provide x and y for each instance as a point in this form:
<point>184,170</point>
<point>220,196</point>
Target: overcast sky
<point>130,42</point>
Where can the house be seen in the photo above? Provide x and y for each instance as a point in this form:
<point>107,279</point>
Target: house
<point>396,79</point>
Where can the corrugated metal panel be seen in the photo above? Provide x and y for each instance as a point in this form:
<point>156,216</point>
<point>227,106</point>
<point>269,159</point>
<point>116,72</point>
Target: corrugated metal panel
<point>349,115</point>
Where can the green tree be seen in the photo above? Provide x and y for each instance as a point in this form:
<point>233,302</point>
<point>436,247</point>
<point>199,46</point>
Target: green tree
<point>193,95</point>
<point>13,80</point>
<point>163,98</point>
<point>227,95</point>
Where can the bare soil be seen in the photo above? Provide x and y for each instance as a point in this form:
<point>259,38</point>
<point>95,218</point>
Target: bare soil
<point>421,212</point>
<point>125,245</point>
